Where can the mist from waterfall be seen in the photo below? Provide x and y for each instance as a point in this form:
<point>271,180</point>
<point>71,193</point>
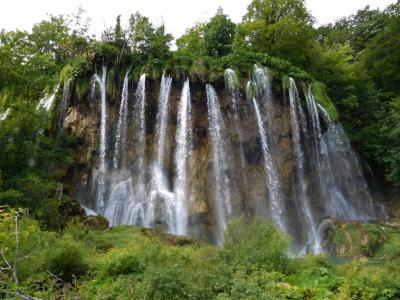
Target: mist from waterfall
<point>182,163</point>
<point>221,197</point>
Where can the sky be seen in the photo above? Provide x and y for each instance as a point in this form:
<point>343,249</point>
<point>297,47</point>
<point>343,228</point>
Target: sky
<point>177,15</point>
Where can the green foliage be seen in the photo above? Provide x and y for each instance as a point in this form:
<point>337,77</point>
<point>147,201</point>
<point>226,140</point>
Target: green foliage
<point>66,258</point>
<point>142,263</point>
<point>368,281</point>
<point>119,262</point>
<point>281,28</point>
<point>106,52</point>
<point>391,133</point>
<point>381,57</point>
<point>30,164</point>
<point>218,34</point>
<point>359,63</point>
<point>251,244</point>
<point>192,42</point>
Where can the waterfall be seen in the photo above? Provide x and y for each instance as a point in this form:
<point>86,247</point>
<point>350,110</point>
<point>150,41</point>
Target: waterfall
<point>63,106</point>
<point>47,101</point>
<point>101,177</point>
<point>262,80</point>
<point>349,179</point>
<point>121,126</point>
<point>140,119</point>
<point>4,115</point>
<point>302,163</point>
<point>336,202</point>
<point>272,179</point>
<point>232,82</point>
<point>161,198</point>
<point>301,196</point>
<point>182,155</point>
<point>126,201</point>
<point>221,181</point>
<point>351,176</point>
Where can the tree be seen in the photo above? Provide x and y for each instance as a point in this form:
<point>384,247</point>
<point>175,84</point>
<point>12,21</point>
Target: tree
<point>140,32</point>
<point>13,242</point>
<point>119,37</point>
<point>365,25</point>
<point>382,56</point>
<point>272,11</point>
<point>219,33</point>
<point>192,42</point>
<point>281,28</point>
<point>53,37</point>
<point>159,44</point>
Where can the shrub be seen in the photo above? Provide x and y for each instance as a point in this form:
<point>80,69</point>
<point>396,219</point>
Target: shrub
<point>66,258</point>
<point>256,244</point>
<point>364,280</point>
<point>119,262</point>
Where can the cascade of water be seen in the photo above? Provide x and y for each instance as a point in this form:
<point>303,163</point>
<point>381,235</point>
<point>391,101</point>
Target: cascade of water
<point>126,202</point>
<point>182,155</point>
<point>336,203</point>
<point>92,94</point>
<point>4,115</point>
<point>47,101</point>
<point>344,187</point>
<point>232,82</point>
<point>301,197</point>
<point>222,192</point>
<point>272,179</point>
<point>348,176</point>
<point>64,102</point>
<point>121,126</point>
<point>322,154</point>
<point>101,177</point>
<point>160,193</point>
<point>139,115</point>
<point>262,79</point>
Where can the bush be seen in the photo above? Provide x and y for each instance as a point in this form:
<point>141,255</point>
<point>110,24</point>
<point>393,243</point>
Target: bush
<point>120,262</point>
<point>66,258</point>
<point>256,244</point>
<point>105,52</point>
<point>364,280</point>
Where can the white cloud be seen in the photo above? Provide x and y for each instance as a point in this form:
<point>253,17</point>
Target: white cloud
<point>176,14</point>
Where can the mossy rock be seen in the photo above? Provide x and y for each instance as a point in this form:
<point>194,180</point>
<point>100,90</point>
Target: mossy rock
<point>322,98</point>
<point>96,222</point>
<point>355,239</point>
<point>168,239</point>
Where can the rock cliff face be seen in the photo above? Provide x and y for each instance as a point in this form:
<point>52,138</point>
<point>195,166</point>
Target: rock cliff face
<point>246,171</point>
